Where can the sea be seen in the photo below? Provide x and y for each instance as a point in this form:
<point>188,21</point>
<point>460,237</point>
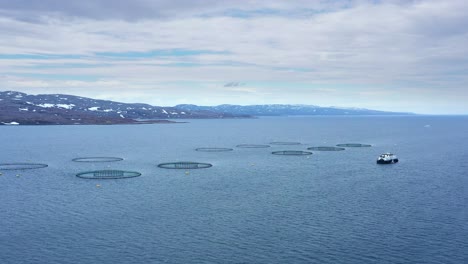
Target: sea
<point>251,206</point>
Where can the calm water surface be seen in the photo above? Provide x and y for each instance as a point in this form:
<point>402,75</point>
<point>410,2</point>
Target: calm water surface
<point>251,206</point>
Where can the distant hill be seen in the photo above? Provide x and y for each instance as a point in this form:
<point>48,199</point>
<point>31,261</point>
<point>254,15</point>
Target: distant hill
<point>284,110</point>
<point>18,108</point>
<point>60,109</point>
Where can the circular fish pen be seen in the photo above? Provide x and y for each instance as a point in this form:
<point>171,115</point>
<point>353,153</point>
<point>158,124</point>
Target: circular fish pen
<point>21,166</point>
<point>354,145</point>
<point>108,174</point>
<point>214,149</point>
<point>97,159</point>
<point>252,146</point>
<point>292,153</point>
<point>185,165</point>
<point>285,143</point>
<point>326,148</point>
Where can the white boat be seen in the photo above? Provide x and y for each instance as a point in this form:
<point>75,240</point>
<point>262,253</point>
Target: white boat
<point>387,158</point>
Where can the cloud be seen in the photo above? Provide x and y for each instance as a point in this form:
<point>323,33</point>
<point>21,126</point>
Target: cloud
<point>160,9</point>
<point>392,46</point>
<point>234,84</point>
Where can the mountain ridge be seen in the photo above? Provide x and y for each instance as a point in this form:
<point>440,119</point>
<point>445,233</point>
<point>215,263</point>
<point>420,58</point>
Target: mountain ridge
<point>286,109</point>
<point>61,109</point>
<point>17,108</point>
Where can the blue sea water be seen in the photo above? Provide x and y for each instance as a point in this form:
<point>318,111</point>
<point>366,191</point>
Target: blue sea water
<point>251,206</point>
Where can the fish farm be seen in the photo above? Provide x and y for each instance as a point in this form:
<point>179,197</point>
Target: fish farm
<point>214,149</point>
<point>108,174</point>
<point>292,153</point>
<point>252,146</point>
<point>285,143</point>
<point>97,159</point>
<point>22,166</point>
<point>326,148</point>
<point>354,145</point>
<point>181,165</point>
<point>185,165</point>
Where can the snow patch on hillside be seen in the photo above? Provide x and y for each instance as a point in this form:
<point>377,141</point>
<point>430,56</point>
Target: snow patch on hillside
<point>63,106</point>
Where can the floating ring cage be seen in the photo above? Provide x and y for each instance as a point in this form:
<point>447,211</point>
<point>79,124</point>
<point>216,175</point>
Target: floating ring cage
<point>326,148</point>
<point>184,165</point>
<point>292,153</point>
<point>108,174</point>
<point>22,166</point>
<point>354,145</point>
<point>285,143</point>
<point>252,146</point>
<point>214,149</point>
<point>97,159</point>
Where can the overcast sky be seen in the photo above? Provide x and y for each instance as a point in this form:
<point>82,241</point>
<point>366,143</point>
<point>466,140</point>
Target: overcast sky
<point>387,55</point>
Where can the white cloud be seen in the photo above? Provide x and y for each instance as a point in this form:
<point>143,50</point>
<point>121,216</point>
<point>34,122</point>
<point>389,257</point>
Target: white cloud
<point>396,47</point>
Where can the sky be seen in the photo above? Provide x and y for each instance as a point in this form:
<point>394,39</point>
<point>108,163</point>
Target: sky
<point>395,55</point>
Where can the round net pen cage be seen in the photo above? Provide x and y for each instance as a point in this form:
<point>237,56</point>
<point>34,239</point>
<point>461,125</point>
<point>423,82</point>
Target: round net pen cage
<point>21,166</point>
<point>214,149</point>
<point>97,159</point>
<point>108,174</point>
<point>285,143</point>
<point>326,148</point>
<point>185,165</point>
<point>292,153</point>
<point>354,145</point>
<point>252,146</point>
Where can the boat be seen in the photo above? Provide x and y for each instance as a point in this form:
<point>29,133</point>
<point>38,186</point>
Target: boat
<point>387,158</point>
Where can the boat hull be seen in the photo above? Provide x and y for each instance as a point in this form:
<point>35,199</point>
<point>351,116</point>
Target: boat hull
<point>387,161</point>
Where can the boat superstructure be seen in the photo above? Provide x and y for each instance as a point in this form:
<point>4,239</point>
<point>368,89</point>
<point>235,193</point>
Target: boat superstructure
<point>387,158</point>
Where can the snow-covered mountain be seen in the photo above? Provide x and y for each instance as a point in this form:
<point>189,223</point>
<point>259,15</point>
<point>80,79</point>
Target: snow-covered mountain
<point>24,109</point>
<point>284,110</point>
<point>20,108</point>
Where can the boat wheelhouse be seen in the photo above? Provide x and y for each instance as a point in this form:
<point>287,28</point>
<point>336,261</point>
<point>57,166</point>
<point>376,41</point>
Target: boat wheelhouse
<point>387,158</point>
